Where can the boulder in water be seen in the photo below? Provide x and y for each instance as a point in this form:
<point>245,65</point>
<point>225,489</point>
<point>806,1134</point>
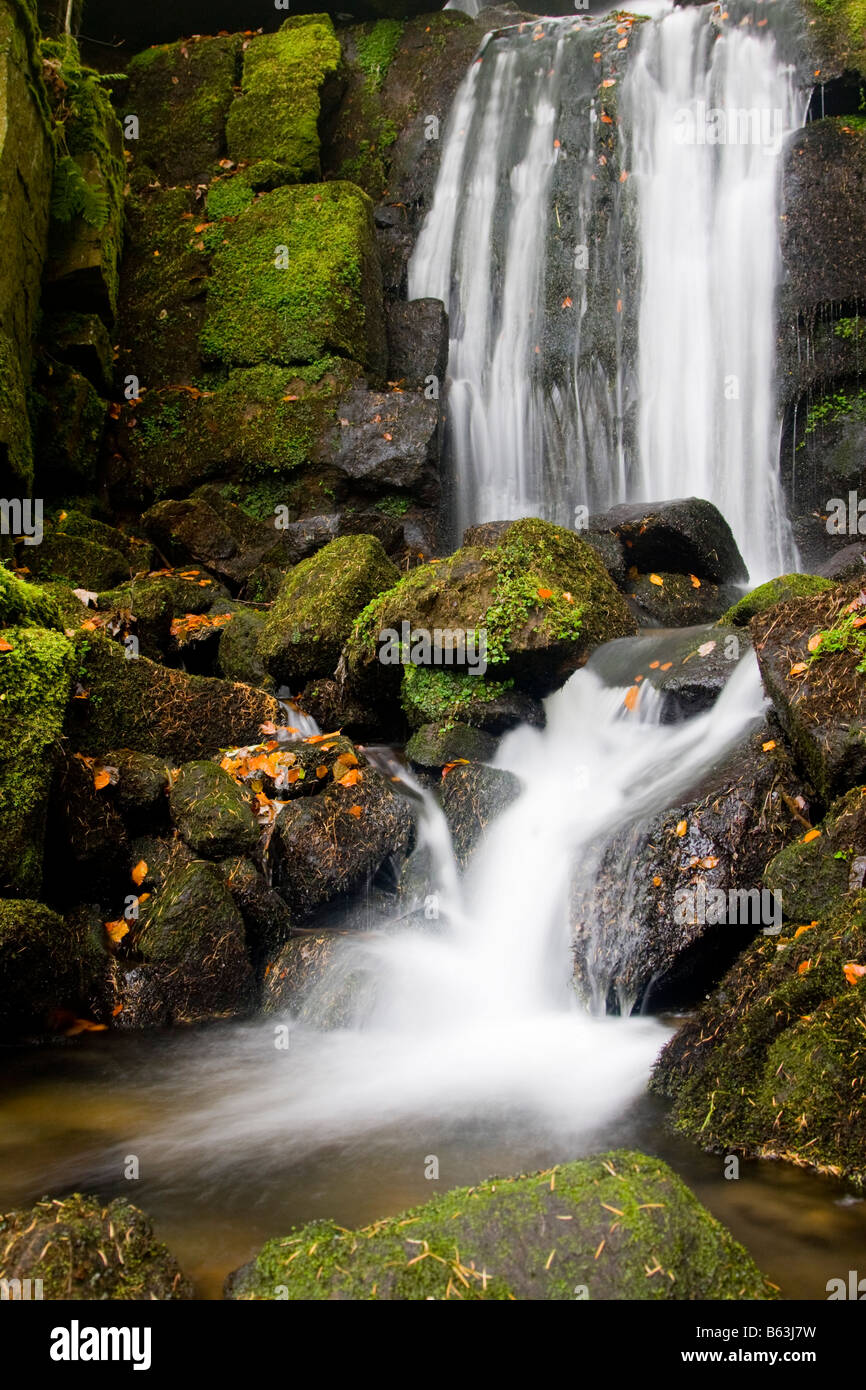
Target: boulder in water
<point>434,745</point>
<point>83,1249</point>
<point>266,915</point>
<point>686,536</point>
<point>675,600</point>
<point>45,964</point>
<point>473,797</point>
<point>436,695</point>
<point>316,977</point>
<point>501,1239</point>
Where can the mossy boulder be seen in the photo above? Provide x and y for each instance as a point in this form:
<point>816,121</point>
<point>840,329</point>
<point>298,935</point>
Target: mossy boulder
<point>143,706</point>
<point>208,530</point>
<point>81,340</point>
<point>181,93</point>
<point>84,1249</point>
<point>214,815</point>
<point>840,30</point>
<point>434,745</point>
<point>433,695</point>
<point>820,697</point>
<point>330,844</point>
<point>35,677</point>
<point>473,797</point>
<point>192,938</point>
<point>238,657</point>
<point>539,593</point>
<point>298,278</point>
<point>317,603</point>
<point>41,965</point>
<point>276,116</point>
<point>152,603</point>
<point>143,780</point>
<point>501,1240</point>
<point>674,600</point>
<point>84,563</point>
<point>68,423</point>
<point>813,873</point>
<point>772,1064</point>
<point>26,604</point>
<point>267,919</point>
<point>775,591</point>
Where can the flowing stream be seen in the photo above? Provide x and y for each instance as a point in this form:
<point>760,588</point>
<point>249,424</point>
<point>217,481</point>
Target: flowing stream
<point>604,236</point>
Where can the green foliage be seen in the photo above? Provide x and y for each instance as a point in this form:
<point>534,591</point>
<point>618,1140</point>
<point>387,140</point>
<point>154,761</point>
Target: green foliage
<point>72,196</point>
<point>393,505</point>
<point>846,635</point>
<point>376,49</point>
<point>519,591</point>
<point>82,110</point>
<point>838,406</point>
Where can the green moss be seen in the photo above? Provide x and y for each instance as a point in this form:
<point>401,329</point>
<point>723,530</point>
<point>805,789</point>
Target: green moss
<point>773,1064</point>
<point>34,687</point>
<point>774,591</point>
<point>842,29</point>
<point>297,280</point>
<point>317,604</point>
<point>376,49</point>
<point>227,197</point>
<point>85,563</point>
<point>437,696</point>
<point>276,117</point>
<point>212,813</point>
<point>830,409</point>
<point>83,1249</point>
<point>811,875</point>
<point>393,506</point>
<point>501,1240</point>
<point>27,605</point>
<point>181,93</point>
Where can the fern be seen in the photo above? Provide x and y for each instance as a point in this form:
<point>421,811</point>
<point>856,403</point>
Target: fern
<point>72,196</point>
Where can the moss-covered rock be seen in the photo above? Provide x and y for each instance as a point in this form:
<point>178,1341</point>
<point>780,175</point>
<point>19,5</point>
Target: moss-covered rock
<point>140,705</point>
<point>841,32</point>
<point>472,797</point>
<point>813,873</point>
<point>68,423</point>
<point>238,657</point>
<point>674,600</point>
<point>181,93</point>
<point>317,603</point>
<point>81,1248</point>
<point>34,687</point>
<point>192,938</point>
<point>434,745</point>
<point>84,563</point>
<point>152,603</point>
<point>41,965</point>
<point>330,844</point>
<point>772,1064</point>
<point>140,792</point>
<point>27,605</point>
<point>819,694</point>
<point>774,591</point>
<point>276,116</point>
<point>214,816</point>
<point>266,915</point>
<point>501,1239</point>
<point>298,278</point>
<point>540,594</point>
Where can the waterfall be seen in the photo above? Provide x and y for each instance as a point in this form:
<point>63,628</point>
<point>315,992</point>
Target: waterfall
<point>604,236</point>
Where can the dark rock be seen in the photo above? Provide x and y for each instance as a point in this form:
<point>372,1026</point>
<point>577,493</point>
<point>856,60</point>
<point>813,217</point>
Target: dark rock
<point>847,564</point>
<point>433,746</point>
<point>687,536</point>
<point>768,595</point>
<point>324,847</point>
<point>472,797</point>
<point>700,667</point>
<point>676,601</point>
<point>238,656</point>
<point>140,793</point>
<point>811,875</point>
<point>81,341</point>
<point>213,814</point>
<point>333,707</point>
<point>161,855</point>
<point>192,532</point>
<point>81,1248</point>
<point>69,418</point>
<point>41,965</point>
<point>266,915</point>
<point>417,341</point>
<point>318,978</point>
<point>88,842</point>
<point>84,563</point>
<point>611,553</point>
<point>150,606</point>
<point>821,232</point>
<point>388,440</point>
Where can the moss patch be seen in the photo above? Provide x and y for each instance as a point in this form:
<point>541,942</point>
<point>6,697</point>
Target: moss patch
<point>774,591</point>
<point>26,605</point>
<point>501,1240</point>
<point>212,813</point>
<point>34,687</point>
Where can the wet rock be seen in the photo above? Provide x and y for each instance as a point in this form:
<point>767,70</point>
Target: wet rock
<point>847,564</point>
<point>238,656</point>
<point>266,916</point>
<point>687,536</point>
<point>821,703</point>
<point>81,341</point>
<point>432,746</point>
<point>83,1249</point>
<point>86,837</point>
<point>673,600</point>
<point>692,674</point>
<point>821,241</point>
<point>320,979</point>
<point>641,937</point>
<point>435,695</point>
<point>775,591</point>
<point>771,1064</point>
<point>41,965</point>
<point>333,707</point>
<point>149,607</point>
<point>155,857</point>
<point>317,604</point>
<point>813,873</point>
<point>330,844</point>
<point>68,422</point>
<point>140,792</point>
<point>35,676</point>
<point>145,707</point>
<point>389,440</point>
<point>473,797</point>
<point>83,563</point>
<point>214,816</point>
<point>417,341</point>
<point>192,935</point>
<point>488,1223</point>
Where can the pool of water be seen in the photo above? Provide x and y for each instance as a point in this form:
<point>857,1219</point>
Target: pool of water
<point>72,1113</point>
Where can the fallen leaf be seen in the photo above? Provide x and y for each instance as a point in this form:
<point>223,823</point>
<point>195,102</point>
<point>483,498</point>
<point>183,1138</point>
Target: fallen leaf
<point>657,883</point>
<point>853,972</point>
<point>797,669</point>
<point>808,927</point>
<point>809,836</point>
<point>101,779</point>
<point>657,580</point>
<point>814,642</point>
<point>705,648</point>
<point>769,745</point>
<point>351,779</point>
<point>117,930</point>
<point>544,593</point>
<point>696,583</point>
<point>6,646</point>
<point>356,811</point>
<point>631,696</point>
<point>84,1025</point>
<point>804,967</point>
<point>682,827</point>
<point>139,873</point>
<point>322,770</point>
<point>666,666</point>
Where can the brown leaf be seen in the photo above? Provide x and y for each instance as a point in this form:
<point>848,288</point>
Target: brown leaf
<point>139,873</point>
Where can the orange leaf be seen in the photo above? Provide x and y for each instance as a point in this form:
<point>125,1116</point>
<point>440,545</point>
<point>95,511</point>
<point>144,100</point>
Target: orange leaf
<point>356,811</point>
<point>321,738</point>
<point>666,665</point>
<point>696,583</point>
<point>631,697</point>
<point>682,827</point>
<point>117,930</point>
<point>6,646</point>
<point>84,1025</point>
<point>804,967</point>
<point>814,642</point>
<point>797,669</point>
<point>101,779</point>
<point>544,593</point>
<point>853,972</point>
<point>657,580</point>
<point>139,873</point>
<point>322,770</point>
<point>770,744</point>
<point>809,836</point>
<point>351,779</point>
<point>657,883</point>
<point>654,666</point>
<point>456,763</point>
<point>808,927</point>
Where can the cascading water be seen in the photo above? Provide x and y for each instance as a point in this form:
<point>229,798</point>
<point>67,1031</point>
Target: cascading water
<point>610,285</point>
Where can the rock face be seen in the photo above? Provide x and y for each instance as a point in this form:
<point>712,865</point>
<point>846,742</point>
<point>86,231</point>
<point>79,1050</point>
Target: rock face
<point>433,747</point>
<point>492,1241</point>
<point>772,1063</point>
<point>83,1249</point>
<point>642,936</point>
<point>818,695</point>
<point>43,965</point>
<point>689,536</point>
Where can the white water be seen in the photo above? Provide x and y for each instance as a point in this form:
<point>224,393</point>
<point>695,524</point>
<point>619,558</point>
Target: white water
<point>473,1022</point>
<point>668,390</point>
